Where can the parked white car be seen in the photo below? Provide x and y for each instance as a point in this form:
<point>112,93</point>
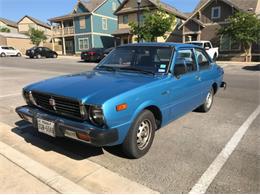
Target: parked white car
<point>9,51</point>
<point>212,51</point>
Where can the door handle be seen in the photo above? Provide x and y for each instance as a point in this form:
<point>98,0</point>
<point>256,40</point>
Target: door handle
<point>166,92</point>
<point>198,78</point>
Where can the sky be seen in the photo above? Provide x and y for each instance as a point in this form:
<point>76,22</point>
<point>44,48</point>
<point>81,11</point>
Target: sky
<point>45,9</point>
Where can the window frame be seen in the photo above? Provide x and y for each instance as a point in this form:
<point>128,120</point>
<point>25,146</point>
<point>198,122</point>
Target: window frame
<point>229,44</point>
<point>127,19</point>
<point>114,6</point>
<point>206,55</point>
<point>82,25</point>
<point>83,39</point>
<point>104,24</point>
<point>219,12</point>
<point>194,60</point>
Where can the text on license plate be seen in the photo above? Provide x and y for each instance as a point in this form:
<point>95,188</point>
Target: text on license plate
<point>46,127</point>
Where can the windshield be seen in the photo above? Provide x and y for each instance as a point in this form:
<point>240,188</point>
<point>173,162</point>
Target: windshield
<point>141,59</point>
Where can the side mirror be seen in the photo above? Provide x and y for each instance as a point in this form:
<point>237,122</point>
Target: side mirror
<point>179,69</point>
<point>207,48</point>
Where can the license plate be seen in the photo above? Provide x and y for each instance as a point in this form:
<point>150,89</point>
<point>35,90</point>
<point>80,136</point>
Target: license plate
<point>46,127</point>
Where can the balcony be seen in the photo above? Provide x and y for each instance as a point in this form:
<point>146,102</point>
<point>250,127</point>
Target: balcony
<point>59,31</point>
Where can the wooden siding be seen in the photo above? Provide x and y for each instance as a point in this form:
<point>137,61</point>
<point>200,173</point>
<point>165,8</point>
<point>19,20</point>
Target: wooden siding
<point>225,11</point>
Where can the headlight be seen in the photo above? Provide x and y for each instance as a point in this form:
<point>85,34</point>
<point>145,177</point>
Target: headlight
<point>96,115</point>
<point>26,96</point>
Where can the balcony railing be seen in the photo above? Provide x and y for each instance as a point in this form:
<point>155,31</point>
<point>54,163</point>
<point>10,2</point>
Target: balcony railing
<point>59,31</point>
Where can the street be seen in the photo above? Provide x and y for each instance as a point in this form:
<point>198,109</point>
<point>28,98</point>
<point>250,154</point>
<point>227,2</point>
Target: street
<point>181,153</point>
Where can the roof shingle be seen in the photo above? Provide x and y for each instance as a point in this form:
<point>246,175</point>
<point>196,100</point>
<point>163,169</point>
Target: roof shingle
<point>9,22</point>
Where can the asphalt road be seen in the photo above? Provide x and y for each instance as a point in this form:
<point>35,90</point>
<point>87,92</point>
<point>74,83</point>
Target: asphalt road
<point>181,152</point>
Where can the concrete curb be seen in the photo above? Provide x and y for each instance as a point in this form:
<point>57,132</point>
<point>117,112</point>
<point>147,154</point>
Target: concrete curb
<point>98,179</point>
<point>42,173</point>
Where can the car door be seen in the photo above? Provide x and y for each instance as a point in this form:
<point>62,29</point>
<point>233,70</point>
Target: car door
<point>12,51</point>
<point>41,51</point>
<point>186,84</point>
<point>205,70</point>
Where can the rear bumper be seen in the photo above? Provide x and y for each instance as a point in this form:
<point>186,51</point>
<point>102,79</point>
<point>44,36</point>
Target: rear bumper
<point>70,128</point>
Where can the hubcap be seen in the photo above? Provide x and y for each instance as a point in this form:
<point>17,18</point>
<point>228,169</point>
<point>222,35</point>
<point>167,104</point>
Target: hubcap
<point>209,99</point>
<point>144,134</point>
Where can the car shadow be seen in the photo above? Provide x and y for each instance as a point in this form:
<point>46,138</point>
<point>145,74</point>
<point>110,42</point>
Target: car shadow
<point>252,68</point>
<point>65,146</point>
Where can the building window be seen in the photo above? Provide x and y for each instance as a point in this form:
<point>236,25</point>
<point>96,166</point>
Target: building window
<point>82,23</point>
<point>141,18</point>
<point>114,6</point>
<point>83,44</point>
<point>125,19</point>
<point>104,23</point>
<point>215,12</point>
<point>227,44</point>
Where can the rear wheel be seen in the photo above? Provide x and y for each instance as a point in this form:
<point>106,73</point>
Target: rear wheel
<point>140,136</point>
<point>19,55</point>
<point>208,102</point>
<point>39,56</point>
<point>3,54</point>
<point>55,56</point>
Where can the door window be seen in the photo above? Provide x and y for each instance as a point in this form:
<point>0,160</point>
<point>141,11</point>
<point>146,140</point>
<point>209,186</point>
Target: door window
<point>207,45</point>
<point>184,62</point>
<point>202,59</point>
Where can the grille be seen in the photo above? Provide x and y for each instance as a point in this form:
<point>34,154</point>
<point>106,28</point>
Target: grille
<point>63,106</point>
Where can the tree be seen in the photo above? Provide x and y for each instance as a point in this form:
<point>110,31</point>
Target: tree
<point>5,29</point>
<point>244,28</point>
<point>155,24</point>
<point>36,36</point>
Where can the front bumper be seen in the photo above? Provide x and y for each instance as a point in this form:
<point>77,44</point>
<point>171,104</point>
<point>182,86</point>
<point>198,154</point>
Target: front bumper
<point>64,127</point>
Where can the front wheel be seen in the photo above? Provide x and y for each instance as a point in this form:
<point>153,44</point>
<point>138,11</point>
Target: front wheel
<point>208,102</point>
<point>3,54</point>
<point>140,136</point>
<point>39,56</point>
<point>55,55</point>
<point>19,55</point>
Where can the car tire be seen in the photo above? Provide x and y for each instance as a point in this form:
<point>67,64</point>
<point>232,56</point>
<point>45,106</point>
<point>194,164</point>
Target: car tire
<point>3,54</point>
<point>140,135</point>
<point>38,56</point>
<point>19,55</point>
<point>208,102</point>
<point>55,56</point>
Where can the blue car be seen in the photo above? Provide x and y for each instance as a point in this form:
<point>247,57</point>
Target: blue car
<point>134,91</point>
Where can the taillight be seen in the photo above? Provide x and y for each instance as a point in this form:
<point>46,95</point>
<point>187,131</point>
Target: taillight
<point>91,53</point>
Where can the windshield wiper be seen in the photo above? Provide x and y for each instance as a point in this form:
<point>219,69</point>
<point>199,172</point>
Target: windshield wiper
<point>137,70</point>
<point>108,68</point>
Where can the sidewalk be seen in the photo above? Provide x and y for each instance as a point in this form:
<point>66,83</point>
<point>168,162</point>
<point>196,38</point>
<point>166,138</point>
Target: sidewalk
<point>238,63</point>
<point>11,173</point>
<point>29,169</point>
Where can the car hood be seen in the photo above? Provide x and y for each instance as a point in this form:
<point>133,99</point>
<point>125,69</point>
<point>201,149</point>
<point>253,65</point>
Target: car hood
<point>93,87</point>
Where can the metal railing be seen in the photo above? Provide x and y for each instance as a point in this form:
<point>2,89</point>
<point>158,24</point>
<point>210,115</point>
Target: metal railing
<point>59,31</point>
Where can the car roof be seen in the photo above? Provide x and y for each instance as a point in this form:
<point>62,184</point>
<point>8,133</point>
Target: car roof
<point>166,44</point>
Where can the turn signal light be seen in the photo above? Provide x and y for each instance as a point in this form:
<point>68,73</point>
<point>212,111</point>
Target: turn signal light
<point>121,107</point>
<point>83,136</point>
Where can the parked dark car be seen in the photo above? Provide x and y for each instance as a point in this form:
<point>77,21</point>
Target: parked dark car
<point>93,55</point>
<point>39,52</point>
<point>108,50</point>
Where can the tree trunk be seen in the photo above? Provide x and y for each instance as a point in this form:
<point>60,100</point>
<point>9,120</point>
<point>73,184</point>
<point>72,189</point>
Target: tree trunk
<point>247,50</point>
